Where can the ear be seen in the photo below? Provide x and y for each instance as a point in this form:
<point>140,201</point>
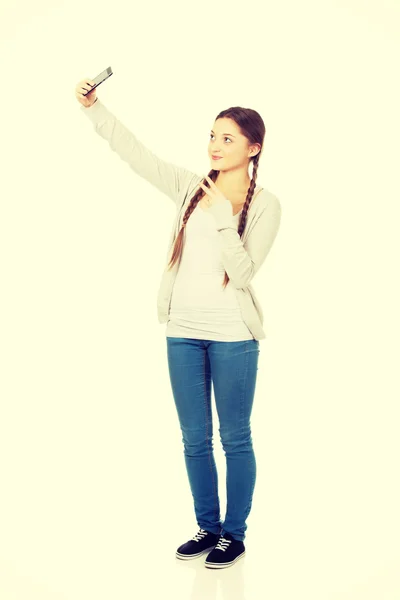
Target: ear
<point>254,149</point>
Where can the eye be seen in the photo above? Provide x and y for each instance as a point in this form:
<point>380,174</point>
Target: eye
<point>225,138</point>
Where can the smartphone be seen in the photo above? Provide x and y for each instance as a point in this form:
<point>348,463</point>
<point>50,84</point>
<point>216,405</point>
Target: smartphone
<point>99,79</point>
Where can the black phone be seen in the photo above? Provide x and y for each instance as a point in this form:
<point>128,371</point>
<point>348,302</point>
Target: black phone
<point>100,78</point>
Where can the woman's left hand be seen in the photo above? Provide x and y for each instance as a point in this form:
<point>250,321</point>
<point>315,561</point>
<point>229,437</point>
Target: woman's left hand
<point>214,195</point>
<point>218,206</point>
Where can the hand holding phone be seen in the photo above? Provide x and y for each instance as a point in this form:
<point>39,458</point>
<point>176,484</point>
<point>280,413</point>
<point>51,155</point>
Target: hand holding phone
<point>100,78</point>
<point>85,90</point>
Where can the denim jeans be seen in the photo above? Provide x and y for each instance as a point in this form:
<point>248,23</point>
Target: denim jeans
<point>232,367</point>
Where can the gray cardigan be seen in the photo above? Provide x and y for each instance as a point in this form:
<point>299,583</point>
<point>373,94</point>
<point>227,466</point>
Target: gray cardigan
<point>241,257</point>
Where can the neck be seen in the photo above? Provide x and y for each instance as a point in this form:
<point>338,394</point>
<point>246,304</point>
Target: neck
<point>231,180</point>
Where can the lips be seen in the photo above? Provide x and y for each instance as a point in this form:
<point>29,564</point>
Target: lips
<point>216,157</point>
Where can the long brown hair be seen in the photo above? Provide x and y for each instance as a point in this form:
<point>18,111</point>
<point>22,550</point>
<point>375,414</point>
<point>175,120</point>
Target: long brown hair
<point>252,127</point>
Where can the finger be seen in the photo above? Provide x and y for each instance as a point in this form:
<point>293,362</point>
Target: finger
<point>206,189</point>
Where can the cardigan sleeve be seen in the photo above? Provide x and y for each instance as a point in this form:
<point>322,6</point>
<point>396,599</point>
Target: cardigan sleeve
<point>242,261</point>
<point>167,177</point>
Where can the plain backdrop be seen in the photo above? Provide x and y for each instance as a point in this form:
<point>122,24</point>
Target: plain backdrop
<point>94,496</point>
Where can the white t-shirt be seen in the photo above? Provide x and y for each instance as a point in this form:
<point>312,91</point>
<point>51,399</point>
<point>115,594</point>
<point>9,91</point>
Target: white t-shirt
<point>201,307</point>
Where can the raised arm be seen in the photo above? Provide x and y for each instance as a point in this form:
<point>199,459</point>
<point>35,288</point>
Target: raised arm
<point>165,176</point>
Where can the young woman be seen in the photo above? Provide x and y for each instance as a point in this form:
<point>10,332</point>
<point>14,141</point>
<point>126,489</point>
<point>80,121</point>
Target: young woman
<point>224,227</point>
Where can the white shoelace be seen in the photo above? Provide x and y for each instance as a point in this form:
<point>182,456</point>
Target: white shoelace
<point>222,544</point>
<point>199,535</point>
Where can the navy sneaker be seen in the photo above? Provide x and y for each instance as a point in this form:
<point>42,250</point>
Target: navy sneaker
<point>202,542</point>
<point>226,552</point>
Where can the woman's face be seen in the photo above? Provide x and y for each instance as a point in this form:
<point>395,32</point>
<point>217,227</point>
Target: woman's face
<point>227,142</point>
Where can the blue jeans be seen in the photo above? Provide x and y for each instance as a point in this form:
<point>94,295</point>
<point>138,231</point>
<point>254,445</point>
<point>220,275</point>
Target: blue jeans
<point>232,366</point>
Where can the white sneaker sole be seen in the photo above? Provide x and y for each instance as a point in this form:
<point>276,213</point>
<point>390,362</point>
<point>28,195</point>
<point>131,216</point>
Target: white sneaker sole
<point>211,565</point>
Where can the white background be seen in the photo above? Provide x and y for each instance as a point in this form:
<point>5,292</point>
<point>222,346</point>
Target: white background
<point>94,494</point>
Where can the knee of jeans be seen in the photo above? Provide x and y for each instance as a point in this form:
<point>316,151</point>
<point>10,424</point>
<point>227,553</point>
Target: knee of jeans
<point>196,440</point>
<point>236,437</point>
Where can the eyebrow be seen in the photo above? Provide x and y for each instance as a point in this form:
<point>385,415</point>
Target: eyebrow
<point>224,133</point>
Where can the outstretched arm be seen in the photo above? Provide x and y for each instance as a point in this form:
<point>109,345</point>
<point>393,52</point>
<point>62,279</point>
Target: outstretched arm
<point>165,176</point>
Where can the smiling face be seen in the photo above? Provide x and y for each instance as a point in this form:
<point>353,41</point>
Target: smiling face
<point>227,142</point>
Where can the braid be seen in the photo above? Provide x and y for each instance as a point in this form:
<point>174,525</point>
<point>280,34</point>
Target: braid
<point>178,245</point>
<point>243,216</point>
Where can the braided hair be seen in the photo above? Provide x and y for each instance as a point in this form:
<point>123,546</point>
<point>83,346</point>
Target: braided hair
<point>252,126</point>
